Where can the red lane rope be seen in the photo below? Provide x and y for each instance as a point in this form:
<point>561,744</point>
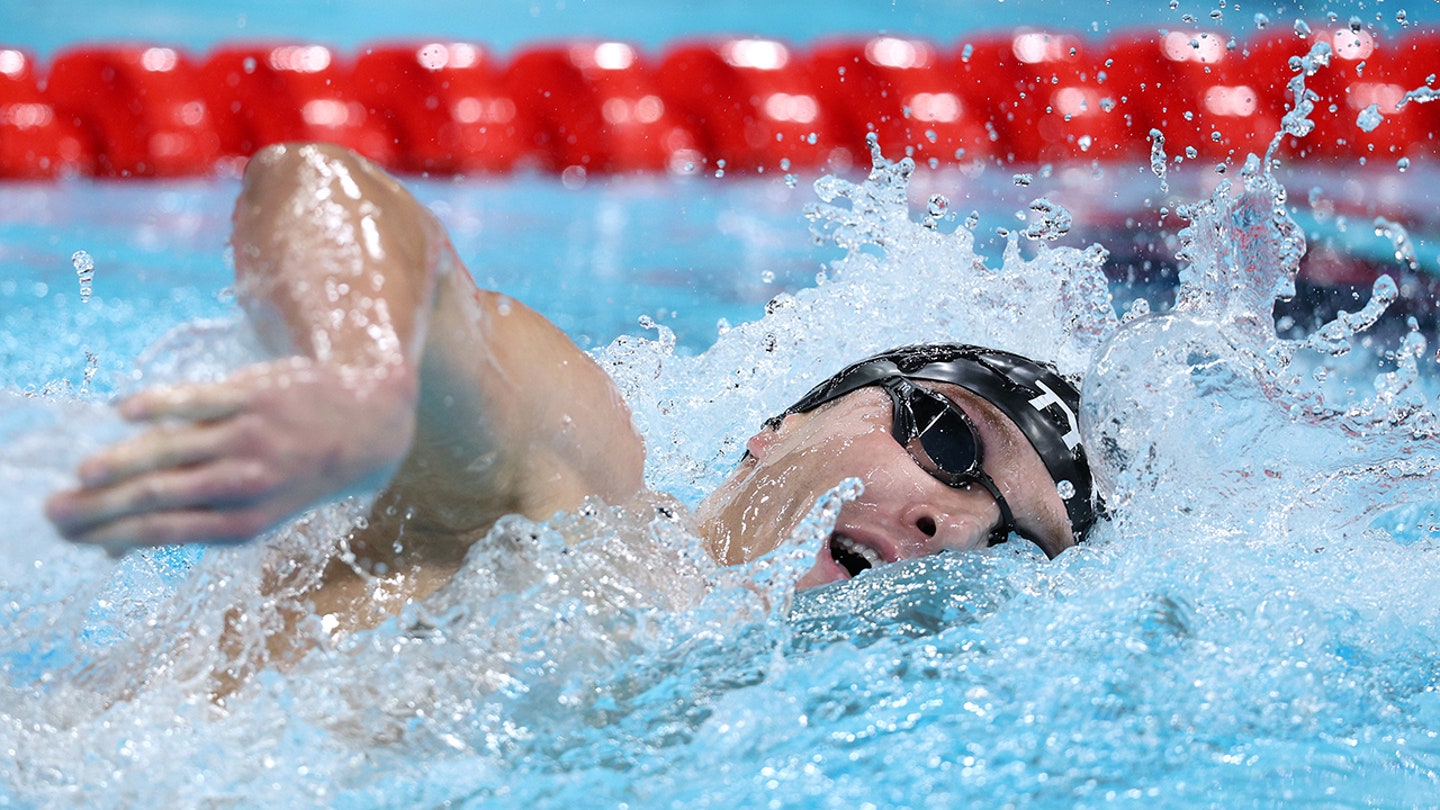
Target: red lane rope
<point>738,105</point>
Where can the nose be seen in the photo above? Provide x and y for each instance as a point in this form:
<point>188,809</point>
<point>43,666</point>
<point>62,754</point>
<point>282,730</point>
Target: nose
<point>935,528</point>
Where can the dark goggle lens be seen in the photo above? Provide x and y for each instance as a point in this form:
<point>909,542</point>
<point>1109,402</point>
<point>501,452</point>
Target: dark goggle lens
<point>945,445</point>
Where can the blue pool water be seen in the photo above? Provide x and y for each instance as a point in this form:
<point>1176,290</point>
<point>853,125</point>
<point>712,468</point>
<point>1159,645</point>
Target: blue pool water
<point>1255,627</point>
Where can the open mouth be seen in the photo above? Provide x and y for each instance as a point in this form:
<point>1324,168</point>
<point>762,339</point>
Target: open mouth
<point>853,556</point>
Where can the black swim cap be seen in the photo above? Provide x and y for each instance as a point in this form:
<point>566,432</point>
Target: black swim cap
<point>1043,404</point>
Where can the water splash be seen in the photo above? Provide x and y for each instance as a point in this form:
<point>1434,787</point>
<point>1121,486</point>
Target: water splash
<point>1250,599</point>
<point>1296,121</point>
<point>85,272</point>
<point>1369,119</point>
<point>1157,158</point>
<point>1400,238</point>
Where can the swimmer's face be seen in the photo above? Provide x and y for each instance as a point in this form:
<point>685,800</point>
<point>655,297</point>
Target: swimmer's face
<point>903,513</point>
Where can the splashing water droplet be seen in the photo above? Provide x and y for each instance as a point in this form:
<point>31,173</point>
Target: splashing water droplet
<point>1065,490</point>
<point>1157,157</point>
<point>1402,164</point>
<point>935,210</point>
<point>1261,21</point>
<point>768,276</point>
<point>92,364</point>
<point>1302,30</point>
<point>1055,221</point>
<point>1369,118</point>
<point>1400,238</point>
<point>972,220</point>
<point>1139,308</point>
<point>85,271</point>
<point>1023,179</point>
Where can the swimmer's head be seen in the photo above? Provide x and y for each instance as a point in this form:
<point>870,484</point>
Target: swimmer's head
<point>1032,395</point>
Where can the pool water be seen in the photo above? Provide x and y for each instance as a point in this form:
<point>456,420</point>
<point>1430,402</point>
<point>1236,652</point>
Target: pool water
<point>1255,626</point>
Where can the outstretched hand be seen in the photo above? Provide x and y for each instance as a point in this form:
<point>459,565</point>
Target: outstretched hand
<point>222,462</point>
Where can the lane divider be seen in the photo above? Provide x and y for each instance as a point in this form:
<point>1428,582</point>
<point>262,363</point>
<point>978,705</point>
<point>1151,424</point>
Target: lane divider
<point>740,105</point>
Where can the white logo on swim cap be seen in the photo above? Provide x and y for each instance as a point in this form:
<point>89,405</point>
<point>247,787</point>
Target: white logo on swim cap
<point>1040,403</point>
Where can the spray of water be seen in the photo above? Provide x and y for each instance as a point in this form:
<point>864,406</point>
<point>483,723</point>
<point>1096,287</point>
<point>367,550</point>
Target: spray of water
<point>1258,606</point>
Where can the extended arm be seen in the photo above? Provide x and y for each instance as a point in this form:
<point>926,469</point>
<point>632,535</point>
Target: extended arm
<point>395,368</point>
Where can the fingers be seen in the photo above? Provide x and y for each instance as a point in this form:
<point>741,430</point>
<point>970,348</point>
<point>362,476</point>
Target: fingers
<point>192,403</point>
<point>163,447</point>
<point>222,485</point>
<point>172,528</point>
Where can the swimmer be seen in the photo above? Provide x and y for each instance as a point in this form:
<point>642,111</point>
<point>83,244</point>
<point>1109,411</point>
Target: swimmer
<point>461,405</point>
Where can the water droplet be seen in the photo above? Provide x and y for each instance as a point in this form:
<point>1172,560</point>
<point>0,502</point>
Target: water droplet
<point>1369,118</point>
<point>1055,221</point>
<point>1261,21</point>
<point>1023,179</point>
<point>1139,308</point>
<point>768,276</point>
<point>936,209</point>
<point>1157,157</point>
<point>1402,164</point>
<point>1302,30</point>
<point>1065,490</point>
<point>85,271</point>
